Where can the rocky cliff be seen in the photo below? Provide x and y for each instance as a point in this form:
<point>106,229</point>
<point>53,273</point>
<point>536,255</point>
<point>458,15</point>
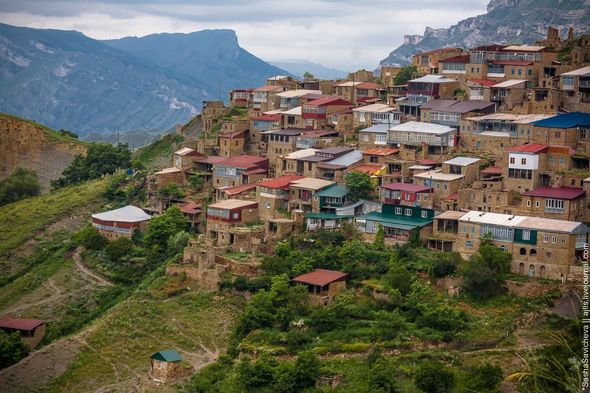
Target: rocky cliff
<point>506,21</point>
<point>30,145</point>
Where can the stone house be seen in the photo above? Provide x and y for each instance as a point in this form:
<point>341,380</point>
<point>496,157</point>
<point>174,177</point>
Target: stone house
<point>121,222</point>
<point>167,366</point>
<point>368,115</point>
<point>287,82</point>
<point>431,139</point>
<point>526,168</point>
<point>183,159</point>
<point>571,129</point>
<point>292,163</point>
<point>224,215</point>
<point>406,194</point>
<point>238,170</point>
<point>451,112</point>
<point>292,118</point>
<point>576,87</point>
<point>379,155</point>
<point>233,143</point>
<point>240,97</point>
<point>316,113</point>
<point>397,222</point>
<point>303,193</point>
<point>263,99</point>
<point>562,203</point>
<point>31,330</point>
<point>424,89</point>
<point>376,135</point>
<point>246,192</point>
<point>540,247</point>
<point>323,285</point>
<point>388,74</point>
<point>281,142</point>
<point>273,195</point>
<point>510,95</point>
<point>429,62</point>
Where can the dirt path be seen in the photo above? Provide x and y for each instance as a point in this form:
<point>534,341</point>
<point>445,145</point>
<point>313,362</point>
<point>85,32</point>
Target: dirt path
<point>87,272</point>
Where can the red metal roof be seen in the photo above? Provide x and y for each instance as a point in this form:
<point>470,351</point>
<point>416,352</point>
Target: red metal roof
<point>426,161</point>
<point>20,323</point>
<point>492,170</point>
<point>368,99</point>
<point>244,162</point>
<point>484,82</point>
<point>380,151</point>
<point>190,208</point>
<point>368,85</point>
<point>269,88</point>
<point>281,182</point>
<point>528,148</point>
<point>210,160</point>
<point>456,59</point>
<point>239,189</point>
<point>561,150</point>
<point>558,193</point>
<point>268,118</point>
<point>234,134</point>
<point>328,100</point>
<point>320,277</point>
<point>367,168</point>
<point>407,187</point>
<point>255,171</point>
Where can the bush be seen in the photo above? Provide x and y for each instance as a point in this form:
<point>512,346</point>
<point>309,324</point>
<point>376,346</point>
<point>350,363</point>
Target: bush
<point>444,267</point>
<point>400,278</point>
<point>22,183</point>
<point>484,378</point>
<point>12,349</point>
<point>207,379</point>
<point>382,377</point>
<point>90,238</point>
<point>433,377</point>
<point>118,249</point>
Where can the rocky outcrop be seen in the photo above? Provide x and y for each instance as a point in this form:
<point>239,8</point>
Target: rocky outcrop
<point>29,145</point>
<point>506,21</point>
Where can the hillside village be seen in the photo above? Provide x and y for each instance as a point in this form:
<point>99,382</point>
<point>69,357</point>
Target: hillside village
<point>315,235</point>
<point>487,140</point>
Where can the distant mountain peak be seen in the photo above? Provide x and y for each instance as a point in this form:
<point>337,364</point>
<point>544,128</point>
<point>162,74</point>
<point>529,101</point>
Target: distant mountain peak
<point>506,21</point>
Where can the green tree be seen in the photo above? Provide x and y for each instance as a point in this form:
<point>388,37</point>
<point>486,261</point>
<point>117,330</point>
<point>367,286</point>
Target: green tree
<point>434,377</point>
<point>382,377</point>
<point>308,75</point>
<point>414,239</point>
<point>12,348</point>
<point>400,278</point>
<point>484,378</point>
<point>359,185</point>
<point>161,228</point>
<point>22,183</point>
<point>483,276</point>
<point>119,249</point>
<point>100,159</point>
<point>90,238</point>
<point>405,74</point>
<point>379,242</point>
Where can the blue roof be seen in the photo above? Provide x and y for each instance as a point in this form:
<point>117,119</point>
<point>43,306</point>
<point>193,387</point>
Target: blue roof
<point>335,190</point>
<point>168,355</point>
<point>568,120</point>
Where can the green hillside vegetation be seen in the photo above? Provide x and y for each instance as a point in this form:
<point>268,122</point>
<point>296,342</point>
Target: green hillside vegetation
<point>22,183</point>
<point>149,156</point>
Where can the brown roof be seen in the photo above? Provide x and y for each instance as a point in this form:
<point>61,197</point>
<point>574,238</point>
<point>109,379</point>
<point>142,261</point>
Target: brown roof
<point>320,277</point>
<point>20,323</point>
<point>492,170</point>
<point>190,208</point>
<point>238,189</point>
<point>380,151</point>
<point>281,182</point>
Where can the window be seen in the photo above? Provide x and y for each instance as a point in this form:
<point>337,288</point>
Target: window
<point>554,204</point>
<point>408,212</point>
<point>407,196</point>
<point>519,71</point>
<point>545,238</point>
<point>528,203</point>
<point>553,239</point>
<point>563,239</point>
<point>533,252</point>
<point>523,161</point>
<point>526,234</point>
<point>558,134</point>
<point>424,214</point>
<point>529,72</point>
<point>522,251</point>
<point>398,210</point>
<point>468,243</point>
<point>503,248</point>
<point>472,229</point>
<point>512,160</point>
<point>537,204</point>
<point>562,161</point>
<point>235,215</point>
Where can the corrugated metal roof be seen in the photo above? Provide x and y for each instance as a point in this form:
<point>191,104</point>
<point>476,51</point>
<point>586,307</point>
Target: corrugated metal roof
<point>579,72</point>
<point>297,111</point>
<point>407,187</point>
<point>128,213</point>
<point>550,225</point>
<point>511,83</point>
<point>557,193</point>
<point>462,161</point>
<point>297,93</point>
<point>377,129</point>
<point>311,183</point>
<point>437,175</point>
<point>375,108</point>
<point>523,48</point>
<point>279,182</point>
<point>427,128</point>
<point>20,323</point>
<point>320,277</point>
<point>528,148</point>
<point>569,120</point>
<point>450,215</point>
<point>433,79</point>
<point>335,190</point>
<point>347,159</point>
<point>301,153</point>
<point>507,220</point>
<point>232,204</point>
<point>168,355</point>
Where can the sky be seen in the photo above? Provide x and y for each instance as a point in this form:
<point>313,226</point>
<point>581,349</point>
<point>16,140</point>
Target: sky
<point>342,34</point>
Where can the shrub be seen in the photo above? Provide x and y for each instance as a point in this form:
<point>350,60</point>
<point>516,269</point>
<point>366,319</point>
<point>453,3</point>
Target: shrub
<point>90,238</point>
<point>400,278</point>
<point>484,378</point>
<point>433,377</point>
<point>444,267</point>
<point>118,249</point>
<point>22,183</point>
<point>382,377</point>
<point>12,349</point>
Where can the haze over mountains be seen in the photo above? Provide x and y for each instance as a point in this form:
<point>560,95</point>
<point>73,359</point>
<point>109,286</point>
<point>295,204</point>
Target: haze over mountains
<point>299,67</point>
<point>506,21</point>
<point>68,80</point>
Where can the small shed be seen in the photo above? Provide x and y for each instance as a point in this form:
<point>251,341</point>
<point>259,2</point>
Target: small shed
<point>323,285</point>
<point>31,330</point>
<point>167,366</point>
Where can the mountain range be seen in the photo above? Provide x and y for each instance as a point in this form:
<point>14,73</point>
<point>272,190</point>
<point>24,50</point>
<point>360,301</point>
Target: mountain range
<point>299,67</point>
<point>67,80</point>
<point>506,21</point>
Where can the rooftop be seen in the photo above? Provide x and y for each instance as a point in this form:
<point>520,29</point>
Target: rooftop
<point>511,83</point>
<point>462,161</point>
<point>528,148</point>
<point>186,151</point>
<point>328,100</point>
<point>492,218</point>
<point>433,79</point>
<point>232,204</point>
<point>301,153</point>
<point>279,182</point>
<point>579,72</point>
<point>452,106</point>
<point>436,174</point>
<point>509,117</point>
<point>297,93</point>
<point>524,48</point>
<point>335,190</point>
<point>311,183</point>
<point>320,277</point>
<point>375,108</point>
<point>427,128</point>
<point>492,170</point>
<point>20,323</point>
<point>269,88</point>
<point>395,221</point>
<point>190,208</point>
<point>526,222</point>
<point>168,355</point>
<point>235,190</point>
<point>450,215</point>
<point>165,171</point>
<point>380,151</point>
<point>369,169</point>
<point>407,187</point>
<point>297,111</point>
<point>242,162</point>
<point>569,120</point>
<point>128,213</point>
<point>377,128</point>
<point>557,193</point>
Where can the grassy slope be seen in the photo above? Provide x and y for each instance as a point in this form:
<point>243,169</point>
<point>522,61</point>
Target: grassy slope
<point>23,220</point>
<point>164,315</point>
<point>53,134</point>
<point>160,151</point>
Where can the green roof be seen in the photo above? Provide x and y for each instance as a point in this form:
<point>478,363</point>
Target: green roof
<point>335,191</point>
<point>327,216</point>
<point>395,221</point>
<point>168,355</point>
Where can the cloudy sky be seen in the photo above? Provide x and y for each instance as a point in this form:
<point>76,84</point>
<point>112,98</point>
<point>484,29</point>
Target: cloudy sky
<point>344,34</point>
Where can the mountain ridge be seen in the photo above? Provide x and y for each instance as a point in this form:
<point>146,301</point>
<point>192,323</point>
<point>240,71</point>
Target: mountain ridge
<point>505,22</point>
